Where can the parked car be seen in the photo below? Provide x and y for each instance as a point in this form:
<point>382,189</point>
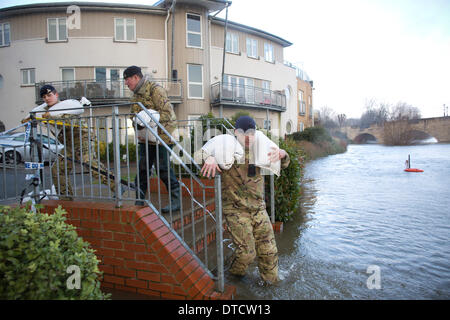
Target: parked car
<point>14,149</point>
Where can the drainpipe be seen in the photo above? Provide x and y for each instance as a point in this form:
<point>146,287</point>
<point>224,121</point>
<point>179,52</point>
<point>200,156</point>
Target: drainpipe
<point>223,60</point>
<point>165,42</point>
<point>173,32</point>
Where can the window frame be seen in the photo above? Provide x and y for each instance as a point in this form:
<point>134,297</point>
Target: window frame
<point>253,45</point>
<point>195,83</point>
<point>68,68</point>
<point>28,70</point>
<point>232,35</point>
<point>268,45</point>
<point>2,34</point>
<point>194,32</point>
<point>57,30</point>
<point>124,30</point>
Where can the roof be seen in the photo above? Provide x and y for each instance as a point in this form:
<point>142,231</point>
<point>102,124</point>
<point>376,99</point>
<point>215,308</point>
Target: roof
<point>62,6</point>
<point>211,5</point>
<point>254,31</point>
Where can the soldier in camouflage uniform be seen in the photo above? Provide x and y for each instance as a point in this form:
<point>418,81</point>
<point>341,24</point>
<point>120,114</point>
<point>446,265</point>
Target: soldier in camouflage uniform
<point>153,96</point>
<point>74,135</point>
<point>244,207</point>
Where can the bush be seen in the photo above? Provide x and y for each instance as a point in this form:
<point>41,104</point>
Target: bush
<point>312,134</point>
<point>288,184</point>
<point>36,250</point>
<point>123,151</point>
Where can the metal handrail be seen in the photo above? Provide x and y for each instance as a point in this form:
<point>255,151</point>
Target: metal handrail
<point>250,95</point>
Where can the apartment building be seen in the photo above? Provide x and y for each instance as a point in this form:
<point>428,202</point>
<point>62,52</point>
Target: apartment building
<point>83,48</point>
<point>305,89</point>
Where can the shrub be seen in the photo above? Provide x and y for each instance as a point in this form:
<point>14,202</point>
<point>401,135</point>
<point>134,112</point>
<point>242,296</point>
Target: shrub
<point>288,184</point>
<point>312,134</point>
<point>36,250</point>
<point>123,151</point>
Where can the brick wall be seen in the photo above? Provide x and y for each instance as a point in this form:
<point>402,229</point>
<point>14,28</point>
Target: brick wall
<point>138,252</point>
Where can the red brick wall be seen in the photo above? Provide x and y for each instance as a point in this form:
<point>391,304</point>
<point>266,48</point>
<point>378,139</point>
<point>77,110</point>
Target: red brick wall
<point>138,252</point>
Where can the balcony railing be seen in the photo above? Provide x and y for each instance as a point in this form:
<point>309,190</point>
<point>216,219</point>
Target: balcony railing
<point>233,94</point>
<point>106,90</point>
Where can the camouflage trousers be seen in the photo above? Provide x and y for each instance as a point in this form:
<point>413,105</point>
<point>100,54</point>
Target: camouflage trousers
<point>253,236</point>
<point>62,168</point>
<point>76,152</point>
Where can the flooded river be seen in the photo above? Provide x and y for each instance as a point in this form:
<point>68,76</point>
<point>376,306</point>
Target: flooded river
<point>366,229</point>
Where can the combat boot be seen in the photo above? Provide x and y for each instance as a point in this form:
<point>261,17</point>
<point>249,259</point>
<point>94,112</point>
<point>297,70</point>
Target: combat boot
<point>175,203</point>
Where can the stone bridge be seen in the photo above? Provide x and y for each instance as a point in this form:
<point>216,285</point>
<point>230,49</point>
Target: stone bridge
<point>439,128</point>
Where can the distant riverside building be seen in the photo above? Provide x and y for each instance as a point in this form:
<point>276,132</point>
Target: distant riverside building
<point>84,50</point>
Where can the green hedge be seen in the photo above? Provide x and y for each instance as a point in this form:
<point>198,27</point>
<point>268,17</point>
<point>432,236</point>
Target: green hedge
<point>288,184</point>
<point>36,252</point>
<point>312,134</point>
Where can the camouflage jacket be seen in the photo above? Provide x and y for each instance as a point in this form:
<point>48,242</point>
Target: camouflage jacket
<point>153,96</point>
<point>239,191</point>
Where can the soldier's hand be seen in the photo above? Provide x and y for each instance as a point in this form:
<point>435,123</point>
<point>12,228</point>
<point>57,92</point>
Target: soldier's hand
<point>210,167</point>
<point>276,154</point>
<point>25,120</point>
<point>46,115</point>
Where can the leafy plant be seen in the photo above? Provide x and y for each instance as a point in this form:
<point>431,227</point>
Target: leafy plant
<point>288,184</point>
<point>37,251</point>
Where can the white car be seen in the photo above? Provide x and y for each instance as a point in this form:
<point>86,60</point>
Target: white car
<point>14,149</point>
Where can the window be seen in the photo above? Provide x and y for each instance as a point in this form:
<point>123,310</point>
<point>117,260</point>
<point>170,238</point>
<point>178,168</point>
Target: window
<point>67,74</point>
<point>28,76</point>
<point>124,29</point>
<point>252,48</point>
<point>232,44</point>
<point>301,126</point>
<point>4,34</point>
<point>267,124</point>
<point>195,81</point>
<point>301,103</point>
<point>268,52</point>
<point>56,29</point>
<point>193,30</point>
<point>289,127</point>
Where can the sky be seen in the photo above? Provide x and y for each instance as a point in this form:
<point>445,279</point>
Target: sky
<point>356,50</point>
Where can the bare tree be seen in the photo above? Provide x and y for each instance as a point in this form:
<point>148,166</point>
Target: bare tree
<point>398,130</point>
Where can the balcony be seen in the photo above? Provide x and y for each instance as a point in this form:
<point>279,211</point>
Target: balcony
<point>235,95</point>
<point>106,91</point>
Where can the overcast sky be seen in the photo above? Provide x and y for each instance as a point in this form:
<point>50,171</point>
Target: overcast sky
<point>356,50</point>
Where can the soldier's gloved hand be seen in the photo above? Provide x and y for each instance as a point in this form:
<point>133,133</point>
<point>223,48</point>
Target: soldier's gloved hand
<point>276,154</point>
<point>210,167</point>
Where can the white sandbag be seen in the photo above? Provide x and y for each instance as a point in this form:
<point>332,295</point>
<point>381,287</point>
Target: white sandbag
<point>226,149</point>
<point>263,145</point>
<point>61,108</point>
<point>149,121</point>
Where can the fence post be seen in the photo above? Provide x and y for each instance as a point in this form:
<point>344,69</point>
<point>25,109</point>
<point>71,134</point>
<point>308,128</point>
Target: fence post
<point>272,197</point>
<point>116,146</point>
<point>219,235</point>
<point>35,158</point>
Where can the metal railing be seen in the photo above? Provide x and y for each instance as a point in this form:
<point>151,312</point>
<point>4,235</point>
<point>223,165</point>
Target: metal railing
<point>235,94</point>
<point>106,89</point>
<point>95,156</point>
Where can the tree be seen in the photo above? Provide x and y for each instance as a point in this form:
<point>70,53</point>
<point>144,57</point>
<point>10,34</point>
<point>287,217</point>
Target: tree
<point>404,111</point>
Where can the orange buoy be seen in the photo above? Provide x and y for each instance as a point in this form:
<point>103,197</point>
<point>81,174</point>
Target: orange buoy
<point>413,170</point>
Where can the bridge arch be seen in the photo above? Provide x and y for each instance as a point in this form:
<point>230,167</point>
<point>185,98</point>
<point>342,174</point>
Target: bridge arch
<point>419,136</point>
<point>365,138</point>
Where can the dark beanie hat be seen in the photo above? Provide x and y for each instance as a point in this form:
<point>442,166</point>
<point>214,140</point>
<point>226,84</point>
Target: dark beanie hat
<point>131,71</point>
<point>245,123</point>
<point>46,89</point>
